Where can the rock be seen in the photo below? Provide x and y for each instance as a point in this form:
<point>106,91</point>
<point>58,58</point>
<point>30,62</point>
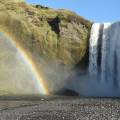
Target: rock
<point>56,39</point>
<point>67,92</point>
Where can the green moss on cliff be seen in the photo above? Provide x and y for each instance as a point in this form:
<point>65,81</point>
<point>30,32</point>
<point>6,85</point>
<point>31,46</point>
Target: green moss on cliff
<point>54,34</point>
<point>58,37</point>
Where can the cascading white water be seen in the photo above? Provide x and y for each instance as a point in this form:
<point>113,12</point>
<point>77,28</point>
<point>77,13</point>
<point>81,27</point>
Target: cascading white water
<point>110,53</point>
<point>93,50</point>
<point>104,48</point>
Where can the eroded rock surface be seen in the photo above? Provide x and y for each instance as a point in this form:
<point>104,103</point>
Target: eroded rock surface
<point>56,39</point>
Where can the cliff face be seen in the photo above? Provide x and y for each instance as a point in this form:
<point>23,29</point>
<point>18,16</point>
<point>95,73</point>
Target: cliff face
<point>59,37</point>
<point>54,34</point>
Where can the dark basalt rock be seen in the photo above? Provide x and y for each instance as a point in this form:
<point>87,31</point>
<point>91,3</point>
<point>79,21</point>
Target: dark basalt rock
<point>67,92</point>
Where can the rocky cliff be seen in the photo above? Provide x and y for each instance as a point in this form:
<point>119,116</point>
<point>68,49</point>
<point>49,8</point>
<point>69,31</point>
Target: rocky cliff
<point>58,37</point>
<point>55,34</point>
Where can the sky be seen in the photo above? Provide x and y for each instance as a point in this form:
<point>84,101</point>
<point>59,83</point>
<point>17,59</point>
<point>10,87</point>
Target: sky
<point>94,10</point>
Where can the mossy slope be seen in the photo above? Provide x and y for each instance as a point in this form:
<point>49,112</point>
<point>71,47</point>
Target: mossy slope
<point>59,37</point>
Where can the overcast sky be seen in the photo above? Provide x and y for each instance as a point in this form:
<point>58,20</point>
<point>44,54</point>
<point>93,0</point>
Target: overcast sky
<point>95,10</point>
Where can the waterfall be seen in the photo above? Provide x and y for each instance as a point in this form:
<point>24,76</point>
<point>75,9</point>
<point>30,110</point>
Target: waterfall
<point>109,68</point>
<point>104,48</point>
<point>103,76</point>
<point>93,51</point>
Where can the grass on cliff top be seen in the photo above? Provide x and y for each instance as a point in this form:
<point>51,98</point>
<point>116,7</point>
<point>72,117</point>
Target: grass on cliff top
<point>30,24</point>
<point>41,11</point>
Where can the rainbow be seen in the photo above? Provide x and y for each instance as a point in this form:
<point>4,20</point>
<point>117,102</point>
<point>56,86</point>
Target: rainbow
<point>42,87</point>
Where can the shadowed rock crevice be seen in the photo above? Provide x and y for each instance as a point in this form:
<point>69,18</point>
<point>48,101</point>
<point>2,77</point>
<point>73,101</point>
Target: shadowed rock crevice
<point>54,23</point>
